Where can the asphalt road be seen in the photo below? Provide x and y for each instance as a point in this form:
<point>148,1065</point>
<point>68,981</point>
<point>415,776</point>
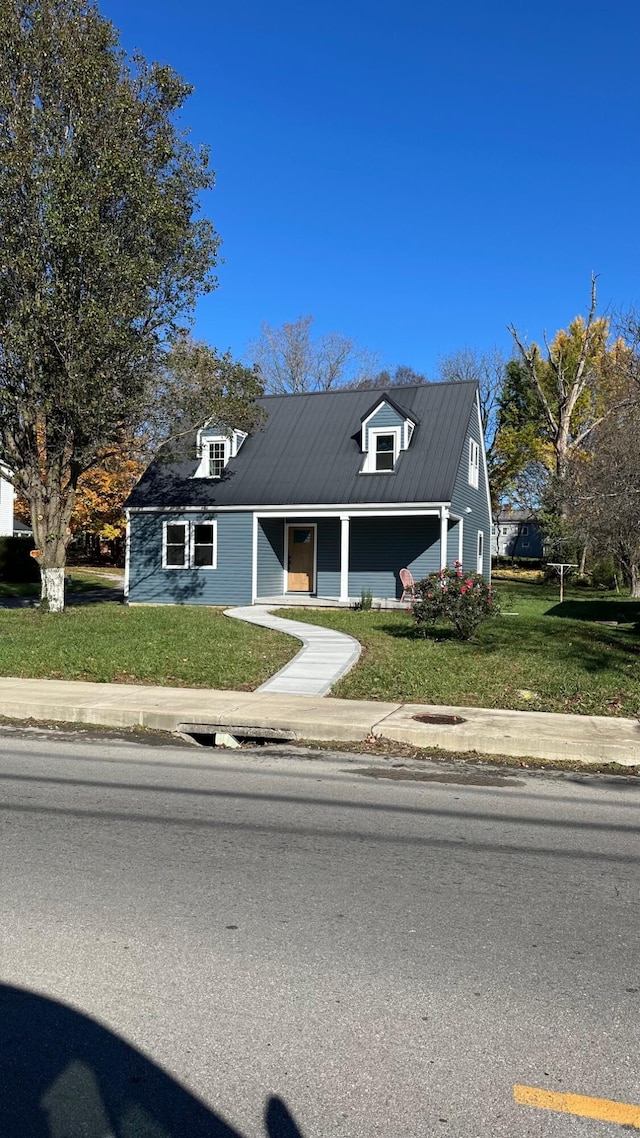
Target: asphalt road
<point>251,946</point>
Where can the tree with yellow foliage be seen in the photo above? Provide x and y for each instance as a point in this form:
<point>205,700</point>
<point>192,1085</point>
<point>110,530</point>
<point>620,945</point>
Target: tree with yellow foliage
<point>574,382</point>
<point>101,493</point>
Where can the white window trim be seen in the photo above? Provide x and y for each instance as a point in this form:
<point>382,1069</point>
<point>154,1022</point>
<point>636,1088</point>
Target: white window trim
<point>189,543</point>
<point>185,526</point>
<point>369,464</point>
<point>192,545</point>
<point>474,464</point>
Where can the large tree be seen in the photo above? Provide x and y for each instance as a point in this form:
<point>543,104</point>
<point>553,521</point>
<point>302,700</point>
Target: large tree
<point>573,382</point>
<point>291,360</point>
<point>604,492</point>
<point>101,252</point>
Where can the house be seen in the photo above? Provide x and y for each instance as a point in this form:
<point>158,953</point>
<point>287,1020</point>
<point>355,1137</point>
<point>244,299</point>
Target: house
<point>516,533</point>
<point>333,495</point>
<point>6,508</point>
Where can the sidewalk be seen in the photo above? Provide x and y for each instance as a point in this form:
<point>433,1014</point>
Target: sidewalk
<point>534,734</point>
<point>325,656</point>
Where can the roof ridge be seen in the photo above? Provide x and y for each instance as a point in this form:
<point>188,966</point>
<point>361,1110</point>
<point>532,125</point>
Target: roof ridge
<point>382,390</point>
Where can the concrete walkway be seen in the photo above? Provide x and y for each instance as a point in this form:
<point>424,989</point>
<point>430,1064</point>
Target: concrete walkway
<point>325,656</point>
<point>545,735</point>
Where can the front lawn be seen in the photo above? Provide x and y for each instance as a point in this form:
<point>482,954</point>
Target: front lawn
<point>169,645</point>
<point>537,656</point>
<point>76,581</point>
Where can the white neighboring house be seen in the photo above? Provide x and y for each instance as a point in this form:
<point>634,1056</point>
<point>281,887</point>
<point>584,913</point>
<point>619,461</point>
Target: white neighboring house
<point>9,527</point>
<point>7,495</point>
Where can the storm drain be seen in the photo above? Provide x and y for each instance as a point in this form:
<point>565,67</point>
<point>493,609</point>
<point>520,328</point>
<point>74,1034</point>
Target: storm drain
<point>224,735</point>
<point>449,720</point>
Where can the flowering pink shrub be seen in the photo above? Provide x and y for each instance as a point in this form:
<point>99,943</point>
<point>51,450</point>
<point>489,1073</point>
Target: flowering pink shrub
<point>446,595</point>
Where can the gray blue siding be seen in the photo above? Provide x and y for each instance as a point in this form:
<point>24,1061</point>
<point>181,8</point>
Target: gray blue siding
<point>453,542</point>
<point>328,583</point>
<point>270,556</point>
<point>465,496</point>
<point>228,584</point>
<point>385,416</point>
<point>381,547</point>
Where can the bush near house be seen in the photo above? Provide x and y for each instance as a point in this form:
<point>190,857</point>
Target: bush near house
<point>538,655</point>
<point>464,600</point>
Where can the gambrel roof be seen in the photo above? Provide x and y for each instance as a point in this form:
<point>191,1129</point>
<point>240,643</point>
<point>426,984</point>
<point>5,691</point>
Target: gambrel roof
<point>308,452</point>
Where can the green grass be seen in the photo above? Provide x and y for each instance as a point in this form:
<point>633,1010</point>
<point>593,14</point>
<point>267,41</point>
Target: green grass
<point>81,581</point>
<point>110,643</point>
<point>546,658</point>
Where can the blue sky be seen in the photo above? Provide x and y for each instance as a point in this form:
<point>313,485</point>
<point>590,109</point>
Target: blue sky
<point>414,174</point>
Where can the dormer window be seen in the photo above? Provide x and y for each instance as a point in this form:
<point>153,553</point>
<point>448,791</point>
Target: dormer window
<point>215,449</point>
<point>218,457</point>
<point>386,431</point>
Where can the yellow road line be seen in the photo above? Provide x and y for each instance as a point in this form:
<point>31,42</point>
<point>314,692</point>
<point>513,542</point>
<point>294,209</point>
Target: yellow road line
<point>603,1109</point>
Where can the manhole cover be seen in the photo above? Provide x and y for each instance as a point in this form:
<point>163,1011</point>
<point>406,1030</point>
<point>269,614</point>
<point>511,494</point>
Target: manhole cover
<point>451,720</point>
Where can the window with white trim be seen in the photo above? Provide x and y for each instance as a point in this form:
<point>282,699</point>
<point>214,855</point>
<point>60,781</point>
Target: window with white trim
<point>525,531</point>
<point>383,450</point>
<point>189,545</point>
<point>474,463</point>
<point>175,545</point>
<point>203,545</point>
<point>480,557</point>
<point>217,449</point>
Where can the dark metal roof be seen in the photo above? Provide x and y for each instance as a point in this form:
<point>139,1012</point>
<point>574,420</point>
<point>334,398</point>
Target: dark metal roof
<point>308,453</point>
<point>515,516</point>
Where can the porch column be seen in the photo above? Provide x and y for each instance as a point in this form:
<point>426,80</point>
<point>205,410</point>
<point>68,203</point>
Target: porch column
<point>344,557</point>
<point>444,518</point>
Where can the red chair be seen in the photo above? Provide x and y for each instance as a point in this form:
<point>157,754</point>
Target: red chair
<point>407,582</point>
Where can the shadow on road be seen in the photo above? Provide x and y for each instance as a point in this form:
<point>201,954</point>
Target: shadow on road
<point>62,1075</point>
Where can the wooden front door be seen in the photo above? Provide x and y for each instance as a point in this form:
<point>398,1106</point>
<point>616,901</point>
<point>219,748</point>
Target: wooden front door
<point>301,556</point>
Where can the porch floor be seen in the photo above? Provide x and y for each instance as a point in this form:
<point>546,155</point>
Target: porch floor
<point>305,600</point>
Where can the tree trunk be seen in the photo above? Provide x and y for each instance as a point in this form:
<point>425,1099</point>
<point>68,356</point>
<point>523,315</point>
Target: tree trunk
<point>583,561</point>
<point>635,579</point>
<point>50,515</point>
<point>52,589</point>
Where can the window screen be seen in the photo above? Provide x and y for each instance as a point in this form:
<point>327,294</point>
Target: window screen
<point>385,452</point>
<point>216,459</point>
<point>176,545</point>
<point>203,545</point>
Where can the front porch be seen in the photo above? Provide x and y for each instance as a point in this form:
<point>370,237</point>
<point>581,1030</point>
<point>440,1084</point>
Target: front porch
<point>329,558</point>
<point>308,600</point>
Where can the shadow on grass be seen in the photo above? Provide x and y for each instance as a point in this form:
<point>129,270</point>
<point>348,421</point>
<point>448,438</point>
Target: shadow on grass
<point>625,612</point>
<point>595,648</point>
<point>409,632</point>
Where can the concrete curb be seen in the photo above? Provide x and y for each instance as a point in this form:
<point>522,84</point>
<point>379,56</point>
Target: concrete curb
<point>534,734</point>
